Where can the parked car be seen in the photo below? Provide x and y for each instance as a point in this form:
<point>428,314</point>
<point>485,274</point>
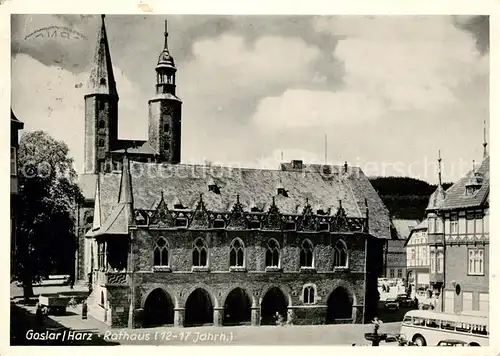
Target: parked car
<point>404,300</point>
<point>391,304</point>
<point>451,342</point>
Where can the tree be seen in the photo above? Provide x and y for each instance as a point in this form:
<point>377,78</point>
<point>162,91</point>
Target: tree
<point>48,194</point>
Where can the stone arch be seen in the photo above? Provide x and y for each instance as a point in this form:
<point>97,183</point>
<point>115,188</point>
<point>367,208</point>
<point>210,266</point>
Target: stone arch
<point>275,299</point>
<point>237,306</point>
<point>340,302</point>
<point>199,308</point>
<point>249,291</point>
<point>167,290</point>
<point>158,308</point>
<point>287,292</point>
<point>211,293</point>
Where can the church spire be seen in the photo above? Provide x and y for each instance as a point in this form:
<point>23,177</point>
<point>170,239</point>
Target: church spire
<point>165,69</point>
<point>485,143</point>
<point>102,79</point>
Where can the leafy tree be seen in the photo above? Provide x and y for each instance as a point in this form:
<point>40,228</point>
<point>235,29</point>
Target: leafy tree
<point>405,197</point>
<point>48,194</point>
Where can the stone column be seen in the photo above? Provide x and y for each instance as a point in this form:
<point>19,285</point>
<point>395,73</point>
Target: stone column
<point>255,316</point>
<point>290,315</point>
<point>357,314</point>
<point>179,317</point>
<point>218,312</point>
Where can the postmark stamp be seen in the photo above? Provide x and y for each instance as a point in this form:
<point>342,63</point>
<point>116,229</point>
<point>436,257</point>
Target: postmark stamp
<point>56,32</point>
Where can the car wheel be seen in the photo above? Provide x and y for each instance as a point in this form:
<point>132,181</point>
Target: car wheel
<point>419,340</point>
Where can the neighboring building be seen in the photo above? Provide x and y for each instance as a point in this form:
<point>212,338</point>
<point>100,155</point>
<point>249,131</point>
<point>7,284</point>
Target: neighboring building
<point>15,126</point>
<point>462,233</point>
<point>418,258</point>
<point>396,251</point>
<point>193,244</point>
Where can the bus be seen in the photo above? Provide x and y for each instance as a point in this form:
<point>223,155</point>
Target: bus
<point>427,328</point>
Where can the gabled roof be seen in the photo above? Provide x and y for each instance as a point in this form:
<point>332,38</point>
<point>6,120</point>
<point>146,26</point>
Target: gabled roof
<point>403,227</point>
<point>456,197</point>
<point>143,148</point>
<point>423,225</point>
<point>257,187</point>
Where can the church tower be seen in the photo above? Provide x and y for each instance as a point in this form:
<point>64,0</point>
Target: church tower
<point>101,107</point>
<point>165,110</point>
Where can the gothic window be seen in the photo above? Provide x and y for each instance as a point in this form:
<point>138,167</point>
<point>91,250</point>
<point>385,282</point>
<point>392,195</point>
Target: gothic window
<point>102,124</point>
<point>308,295</point>
<point>200,253</point>
<point>237,253</point>
<point>166,127</point>
<point>166,145</point>
<point>160,253</point>
<point>101,143</point>
<point>101,104</point>
<point>273,253</point>
<point>306,254</point>
<point>340,254</point>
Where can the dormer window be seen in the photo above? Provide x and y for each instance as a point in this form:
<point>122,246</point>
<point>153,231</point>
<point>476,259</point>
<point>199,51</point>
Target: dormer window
<point>282,191</point>
<point>213,188</point>
<point>178,206</point>
<point>297,164</point>
<point>255,209</point>
<point>320,212</point>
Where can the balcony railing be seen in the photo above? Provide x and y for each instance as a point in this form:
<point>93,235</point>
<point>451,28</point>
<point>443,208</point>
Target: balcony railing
<point>111,278</point>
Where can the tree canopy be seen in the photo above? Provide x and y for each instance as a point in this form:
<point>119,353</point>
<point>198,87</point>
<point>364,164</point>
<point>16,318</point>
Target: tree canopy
<point>48,194</point>
<point>406,198</point>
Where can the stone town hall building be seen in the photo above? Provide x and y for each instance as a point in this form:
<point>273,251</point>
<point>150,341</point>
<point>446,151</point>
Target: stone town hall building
<point>169,243</point>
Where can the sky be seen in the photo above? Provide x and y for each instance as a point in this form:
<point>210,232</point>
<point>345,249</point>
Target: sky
<point>385,93</point>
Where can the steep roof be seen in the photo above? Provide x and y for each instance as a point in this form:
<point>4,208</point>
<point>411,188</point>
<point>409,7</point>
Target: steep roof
<point>102,79</point>
<point>403,227</point>
<point>256,188</point>
<point>456,197</point>
<point>437,198</point>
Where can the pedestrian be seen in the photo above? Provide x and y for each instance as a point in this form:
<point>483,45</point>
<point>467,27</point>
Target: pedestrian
<point>71,282</point>
<point>39,314</point>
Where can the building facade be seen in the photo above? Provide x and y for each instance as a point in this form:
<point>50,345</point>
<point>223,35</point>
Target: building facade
<point>15,126</point>
<point>462,235</point>
<point>396,248</point>
<point>169,243</point>
<point>418,258</point>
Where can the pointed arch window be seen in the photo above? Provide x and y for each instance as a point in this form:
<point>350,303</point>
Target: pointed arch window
<point>200,253</point>
<point>101,143</point>
<point>306,254</point>
<point>340,254</point>
<point>161,253</point>
<point>102,124</point>
<point>308,294</point>
<point>237,254</point>
<point>273,254</point>
<point>166,127</point>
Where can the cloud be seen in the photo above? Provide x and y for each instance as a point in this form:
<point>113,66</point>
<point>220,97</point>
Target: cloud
<point>52,99</point>
<point>226,67</point>
<point>298,109</point>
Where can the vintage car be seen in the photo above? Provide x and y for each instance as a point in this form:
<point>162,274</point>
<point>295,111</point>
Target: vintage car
<point>391,304</point>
